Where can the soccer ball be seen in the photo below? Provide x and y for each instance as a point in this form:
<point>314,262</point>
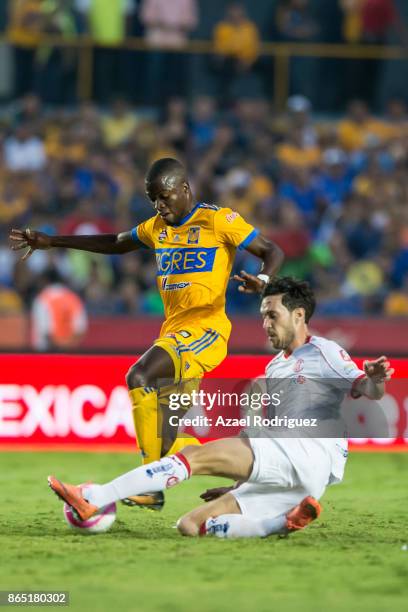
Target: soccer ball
<point>99,523</point>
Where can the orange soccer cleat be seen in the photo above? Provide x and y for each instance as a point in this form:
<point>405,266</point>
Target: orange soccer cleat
<point>303,514</point>
<point>72,495</point>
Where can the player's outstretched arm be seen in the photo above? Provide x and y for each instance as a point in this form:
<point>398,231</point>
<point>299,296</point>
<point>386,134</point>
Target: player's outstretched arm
<point>108,244</point>
<point>272,258</point>
<point>377,373</point>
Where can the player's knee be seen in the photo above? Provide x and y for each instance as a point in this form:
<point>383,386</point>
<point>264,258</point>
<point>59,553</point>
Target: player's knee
<point>187,527</point>
<point>137,377</point>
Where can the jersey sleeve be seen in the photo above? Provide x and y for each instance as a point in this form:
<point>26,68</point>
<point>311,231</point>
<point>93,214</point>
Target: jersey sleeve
<point>231,228</point>
<point>338,366</point>
<point>142,234</point>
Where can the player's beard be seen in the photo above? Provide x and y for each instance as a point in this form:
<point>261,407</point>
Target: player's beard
<point>283,341</point>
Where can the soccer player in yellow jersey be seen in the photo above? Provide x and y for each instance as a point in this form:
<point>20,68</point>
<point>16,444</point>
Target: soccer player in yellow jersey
<point>195,244</point>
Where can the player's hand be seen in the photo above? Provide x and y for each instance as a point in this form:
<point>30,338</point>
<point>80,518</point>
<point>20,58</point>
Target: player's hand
<point>250,283</point>
<point>212,494</point>
<point>30,240</point>
<point>378,370</point>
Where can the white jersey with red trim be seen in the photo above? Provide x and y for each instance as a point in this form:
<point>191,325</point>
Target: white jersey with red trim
<point>322,361</point>
<point>318,375</point>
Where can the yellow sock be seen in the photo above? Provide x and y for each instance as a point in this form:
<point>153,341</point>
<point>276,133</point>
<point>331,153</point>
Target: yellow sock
<point>180,387</point>
<point>180,443</point>
<point>147,422</point>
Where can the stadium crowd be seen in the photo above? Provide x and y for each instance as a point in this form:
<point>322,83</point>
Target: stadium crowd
<point>332,194</point>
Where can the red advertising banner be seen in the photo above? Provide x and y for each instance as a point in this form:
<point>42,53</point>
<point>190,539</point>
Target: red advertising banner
<point>81,402</point>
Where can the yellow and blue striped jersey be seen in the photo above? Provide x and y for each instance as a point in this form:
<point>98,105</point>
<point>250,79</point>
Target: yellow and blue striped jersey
<point>194,261</point>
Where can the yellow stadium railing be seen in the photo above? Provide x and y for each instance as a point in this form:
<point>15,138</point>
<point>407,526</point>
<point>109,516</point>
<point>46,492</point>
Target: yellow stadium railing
<point>280,52</point>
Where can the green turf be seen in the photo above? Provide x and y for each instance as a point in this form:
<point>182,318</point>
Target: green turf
<point>351,559</point>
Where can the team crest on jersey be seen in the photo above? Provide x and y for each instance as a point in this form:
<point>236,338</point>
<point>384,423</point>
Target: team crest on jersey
<point>299,365</point>
<point>162,235</point>
<point>176,238</point>
<point>193,235</point>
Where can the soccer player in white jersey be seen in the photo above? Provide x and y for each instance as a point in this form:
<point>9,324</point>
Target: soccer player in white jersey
<point>279,479</point>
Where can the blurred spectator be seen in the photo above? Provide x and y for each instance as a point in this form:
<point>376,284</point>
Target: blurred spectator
<point>167,26</point>
<point>175,124</point>
<point>128,298</point>
<point>294,239</point>
<point>396,114</point>
<point>300,190</point>
<point>86,219</point>
<point>360,130</point>
<point>28,110</point>
<point>368,22</point>
<point>119,124</point>
<point>399,265</point>
<point>396,303</point>
<point>25,24</point>
<point>294,22</point>
<point>14,203</point>
<point>55,80</point>
<point>238,192</point>
<point>203,123</point>
<point>299,109</point>
<point>58,317</point>
<point>334,182</point>
<point>10,302</point>
<point>361,233</point>
<point>236,46</point>
<point>24,151</point>
<point>109,22</point>
<point>294,154</point>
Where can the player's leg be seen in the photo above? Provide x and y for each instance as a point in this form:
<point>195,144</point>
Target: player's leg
<point>157,364</point>
<point>263,511</point>
<point>141,380</point>
<point>223,518</point>
<point>195,351</point>
<point>274,500</point>
<point>190,523</point>
<point>231,458</point>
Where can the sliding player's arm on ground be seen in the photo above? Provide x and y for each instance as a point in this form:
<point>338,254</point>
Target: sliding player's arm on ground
<point>377,372</point>
<point>215,493</point>
<point>108,244</point>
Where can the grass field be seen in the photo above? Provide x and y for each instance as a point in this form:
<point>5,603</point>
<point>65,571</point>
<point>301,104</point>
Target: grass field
<point>352,558</point>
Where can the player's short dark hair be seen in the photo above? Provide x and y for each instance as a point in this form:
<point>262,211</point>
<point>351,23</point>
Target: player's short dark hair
<point>295,294</point>
<point>165,165</point>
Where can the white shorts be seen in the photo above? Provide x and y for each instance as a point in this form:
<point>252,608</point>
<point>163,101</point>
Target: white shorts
<point>275,486</point>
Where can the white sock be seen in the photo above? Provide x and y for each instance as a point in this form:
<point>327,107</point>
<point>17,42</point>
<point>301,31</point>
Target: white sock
<point>149,478</point>
<point>239,526</point>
